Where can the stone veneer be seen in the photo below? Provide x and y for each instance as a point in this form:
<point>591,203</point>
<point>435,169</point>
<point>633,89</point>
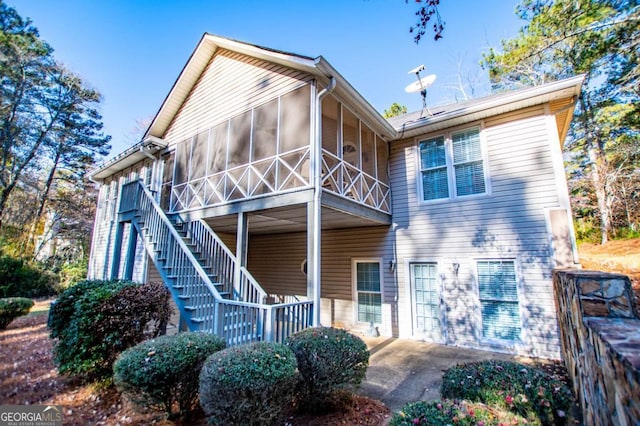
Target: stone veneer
<point>600,332</point>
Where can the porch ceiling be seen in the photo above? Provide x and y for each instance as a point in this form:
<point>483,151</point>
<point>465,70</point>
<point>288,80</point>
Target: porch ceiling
<point>289,219</point>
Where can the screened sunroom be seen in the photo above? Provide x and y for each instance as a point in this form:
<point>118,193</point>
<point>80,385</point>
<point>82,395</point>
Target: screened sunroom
<point>267,151</point>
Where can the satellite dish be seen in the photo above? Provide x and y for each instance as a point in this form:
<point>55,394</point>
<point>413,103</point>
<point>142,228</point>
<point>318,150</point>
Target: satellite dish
<point>417,69</point>
<point>421,84</point>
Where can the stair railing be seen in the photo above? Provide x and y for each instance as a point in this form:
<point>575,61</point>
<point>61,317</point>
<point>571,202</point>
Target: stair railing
<point>224,264</point>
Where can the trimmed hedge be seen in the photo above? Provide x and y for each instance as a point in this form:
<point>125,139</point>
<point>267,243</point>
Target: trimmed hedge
<point>250,384</point>
<point>93,327</point>
<point>329,359</point>
<point>166,370</point>
<point>12,308</point>
<point>533,393</point>
<point>463,413</point>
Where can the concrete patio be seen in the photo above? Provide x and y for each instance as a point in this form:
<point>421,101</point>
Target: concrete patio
<point>402,370</point>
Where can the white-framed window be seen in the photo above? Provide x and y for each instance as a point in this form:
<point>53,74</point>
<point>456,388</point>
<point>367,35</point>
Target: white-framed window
<point>368,290</point>
<point>452,165</point>
<point>498,293</point>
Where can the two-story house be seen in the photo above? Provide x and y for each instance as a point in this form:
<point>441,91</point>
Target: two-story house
<point>269,196</point>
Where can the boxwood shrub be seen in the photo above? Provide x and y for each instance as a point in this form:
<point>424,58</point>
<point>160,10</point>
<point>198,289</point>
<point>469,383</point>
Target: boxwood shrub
<point>534,393</point>
<point>94,327</point>
<point>12,308</point>
<point>165,371</point>
<point>329,359</point>
<point>251,384</point>
<point>447,412</point>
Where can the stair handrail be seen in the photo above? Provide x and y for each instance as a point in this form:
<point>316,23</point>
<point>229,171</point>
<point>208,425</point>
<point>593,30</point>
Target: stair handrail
<point>244,272</point>
<point>194,262</point>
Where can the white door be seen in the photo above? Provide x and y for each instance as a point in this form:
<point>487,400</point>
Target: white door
<point>426,297</point>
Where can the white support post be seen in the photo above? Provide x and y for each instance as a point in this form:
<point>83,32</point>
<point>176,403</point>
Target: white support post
<point>242,240</point>
<point>268,325</point>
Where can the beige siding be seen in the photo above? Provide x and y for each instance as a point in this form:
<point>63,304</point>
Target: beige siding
<point>509,223</point>
<point>231,83</point>
<point>275,262</point>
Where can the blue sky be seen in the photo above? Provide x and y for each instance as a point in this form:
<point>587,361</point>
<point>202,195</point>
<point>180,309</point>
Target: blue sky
<point>132,51</point>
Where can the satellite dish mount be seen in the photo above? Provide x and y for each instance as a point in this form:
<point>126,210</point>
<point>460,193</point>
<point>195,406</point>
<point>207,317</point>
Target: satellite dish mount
<point>421,86</point>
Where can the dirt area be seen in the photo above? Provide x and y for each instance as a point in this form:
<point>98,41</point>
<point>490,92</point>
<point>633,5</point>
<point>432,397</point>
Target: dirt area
<point>621,256</point>
<point>28,376</point>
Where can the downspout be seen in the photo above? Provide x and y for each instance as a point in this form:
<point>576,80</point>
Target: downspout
<point>317,192</point>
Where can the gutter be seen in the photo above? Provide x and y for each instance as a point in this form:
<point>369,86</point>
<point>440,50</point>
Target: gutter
<point>143,147</point>
<point>493,102</point>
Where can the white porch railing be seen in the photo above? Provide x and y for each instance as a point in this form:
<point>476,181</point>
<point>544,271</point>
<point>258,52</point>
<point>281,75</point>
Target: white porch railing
<point>195,284</point>
<point>278,173</point>
<point>346,180</point>
<point>216,255</point>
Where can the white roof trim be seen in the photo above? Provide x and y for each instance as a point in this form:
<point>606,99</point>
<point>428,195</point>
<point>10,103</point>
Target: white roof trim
<point>492,105</point>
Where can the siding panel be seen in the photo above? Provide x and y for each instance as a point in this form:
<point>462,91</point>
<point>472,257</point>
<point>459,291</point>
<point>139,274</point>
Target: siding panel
<point>507,223</point>
<point>278,270</point>
<point>230,84</point>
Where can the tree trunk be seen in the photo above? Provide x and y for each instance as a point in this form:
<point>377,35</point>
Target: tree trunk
<point>42,203</point>
<point>599,186</point>
<point>598,168</point>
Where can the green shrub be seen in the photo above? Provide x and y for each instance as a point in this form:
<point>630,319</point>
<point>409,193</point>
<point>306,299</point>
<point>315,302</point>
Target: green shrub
<point>249,384</point>
<point>535,394</point>
<point>62,309</point>
<point>166,370</point>
<point>587,230</point>
<point>12,308</point>
<point>437,413</point>
<point>22,279</point>
<point>104,321</point>
<point>329,359</point>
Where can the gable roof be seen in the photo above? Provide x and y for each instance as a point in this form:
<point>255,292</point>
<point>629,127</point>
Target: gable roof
<point>318,67</point>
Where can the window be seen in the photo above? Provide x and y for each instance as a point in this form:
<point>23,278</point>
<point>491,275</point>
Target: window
<point>498,289</point>
<point>434,169</point>
<point>369,295</point>
<point>467,163</point>
<point>452,166</point>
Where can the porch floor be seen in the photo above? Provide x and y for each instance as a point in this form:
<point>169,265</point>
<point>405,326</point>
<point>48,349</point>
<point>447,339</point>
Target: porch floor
<point>404,370</point>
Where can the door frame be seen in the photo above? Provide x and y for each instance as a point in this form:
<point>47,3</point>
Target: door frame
<point>412,299</point>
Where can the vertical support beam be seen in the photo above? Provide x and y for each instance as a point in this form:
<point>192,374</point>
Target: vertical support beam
<point>130,260</point>
<point>117,251</point>
<point>313,258</point>
<point>314,208</point>
<point>268,325</point>
<point>242,244</point>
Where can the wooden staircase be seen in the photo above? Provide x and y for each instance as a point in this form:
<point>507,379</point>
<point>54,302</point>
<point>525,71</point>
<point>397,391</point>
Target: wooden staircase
<point>213,293</point>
